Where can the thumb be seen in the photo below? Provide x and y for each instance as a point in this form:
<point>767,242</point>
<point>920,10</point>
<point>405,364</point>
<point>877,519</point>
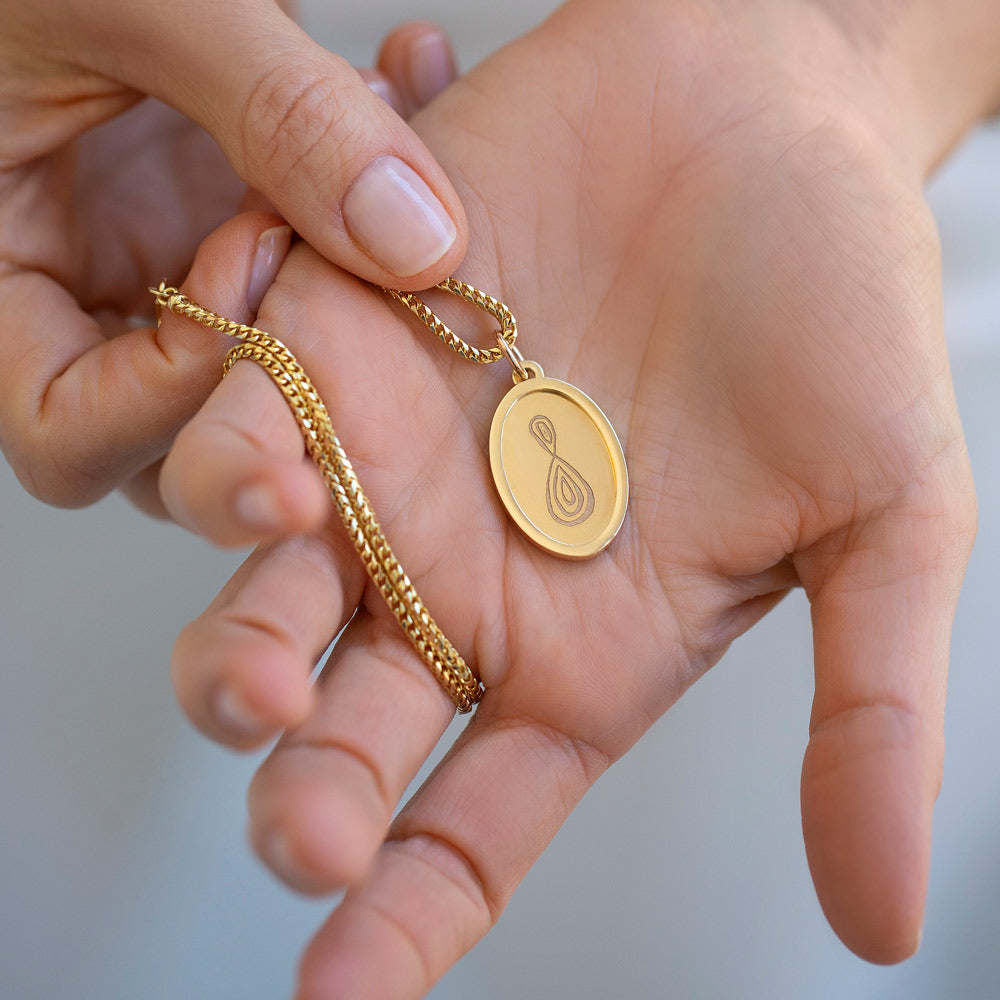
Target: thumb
<point>299,124</point>
<point>882,604</point>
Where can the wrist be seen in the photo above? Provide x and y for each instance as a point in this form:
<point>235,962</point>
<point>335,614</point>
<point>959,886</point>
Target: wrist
<point>914,75</point>
<point>922,73</point>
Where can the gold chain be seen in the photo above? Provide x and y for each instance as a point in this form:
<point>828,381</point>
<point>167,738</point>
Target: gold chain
<point>311,414</point>
<point>507,334</point>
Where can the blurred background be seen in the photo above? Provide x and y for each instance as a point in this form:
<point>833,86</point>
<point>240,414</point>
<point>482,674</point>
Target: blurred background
<point>123,867</point>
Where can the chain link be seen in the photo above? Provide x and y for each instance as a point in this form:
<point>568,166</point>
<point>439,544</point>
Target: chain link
<point>323,446</point>
<point>488,304</point>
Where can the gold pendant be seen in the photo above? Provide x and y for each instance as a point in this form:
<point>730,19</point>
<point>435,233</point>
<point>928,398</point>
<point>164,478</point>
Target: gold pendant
<point>558,466</point>
<point>557,462</point>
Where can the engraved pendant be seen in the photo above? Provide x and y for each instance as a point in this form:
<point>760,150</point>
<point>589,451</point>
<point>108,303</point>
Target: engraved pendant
<point>558,466</point>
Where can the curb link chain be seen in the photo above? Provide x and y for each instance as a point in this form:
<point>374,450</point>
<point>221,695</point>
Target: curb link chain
<point>507,334</point>
<point>313,419</point>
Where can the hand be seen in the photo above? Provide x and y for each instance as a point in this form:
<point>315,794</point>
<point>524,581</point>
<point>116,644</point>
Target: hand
<point>101,194</point>
<point>744,274</point>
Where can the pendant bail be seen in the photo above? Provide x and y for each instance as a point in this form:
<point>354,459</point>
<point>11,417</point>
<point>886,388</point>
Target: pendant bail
<point>515,357</point>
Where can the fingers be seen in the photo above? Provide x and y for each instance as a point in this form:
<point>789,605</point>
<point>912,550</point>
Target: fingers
<point>380,85</point>
<point>882,612</point>
<point>419,60</point>
<point>416,62</point>
<point>242,670</point>
<point>79,413</point>
<point>143,491</point>
<point>452,860</point>
<point>245,441</point>
<point>322,802</point>
<point>299,124</point>
<point>238,473</point>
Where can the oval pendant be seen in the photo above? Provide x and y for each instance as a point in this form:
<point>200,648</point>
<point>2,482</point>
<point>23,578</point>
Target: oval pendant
<point>558,466</point>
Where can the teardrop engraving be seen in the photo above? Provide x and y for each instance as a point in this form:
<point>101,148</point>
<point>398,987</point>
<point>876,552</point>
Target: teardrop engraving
<point>568,496</point>
<point>558,466</point>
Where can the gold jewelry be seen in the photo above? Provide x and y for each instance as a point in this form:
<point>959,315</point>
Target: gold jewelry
<point>568,494</point>
<point>321,442</point>
<point>557,463</point>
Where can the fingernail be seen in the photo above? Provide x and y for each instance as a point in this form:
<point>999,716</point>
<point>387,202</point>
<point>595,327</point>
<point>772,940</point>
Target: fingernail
<point>396,219</point>
<point>232,712</point>
<point>432,66</point>
<point>381,87</point>
<point>258,506</point>
<point>272,249</point>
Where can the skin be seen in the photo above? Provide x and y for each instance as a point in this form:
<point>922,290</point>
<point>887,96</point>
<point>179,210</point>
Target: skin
<point>737,263</point>
<point>102,192</point>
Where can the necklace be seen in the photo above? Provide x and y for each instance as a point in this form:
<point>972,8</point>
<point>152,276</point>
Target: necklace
<point>558,466</point>
<point>556,461</point>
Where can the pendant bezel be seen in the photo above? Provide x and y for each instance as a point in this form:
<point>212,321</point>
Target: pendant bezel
<point>612,514</point>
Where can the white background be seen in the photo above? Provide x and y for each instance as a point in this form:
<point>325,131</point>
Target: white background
<point>123,868</point>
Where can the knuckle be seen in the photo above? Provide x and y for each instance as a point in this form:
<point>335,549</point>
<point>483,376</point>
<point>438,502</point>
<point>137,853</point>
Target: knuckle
<point>51,476</point>
<point>43,434</point>
<point>290,111</point>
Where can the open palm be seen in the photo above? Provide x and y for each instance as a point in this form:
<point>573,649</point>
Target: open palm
<point>745,282</point>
